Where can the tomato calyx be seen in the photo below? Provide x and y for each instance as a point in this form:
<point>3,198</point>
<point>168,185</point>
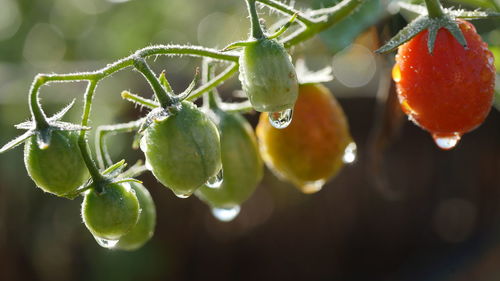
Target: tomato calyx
<point>425,20</point>
<point>43,133</point>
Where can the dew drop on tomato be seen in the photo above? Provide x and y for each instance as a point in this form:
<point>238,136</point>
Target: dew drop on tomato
<point>281,119</point>
<point>350,153</point>
<point>106,243</point>
<point>183,195</point>
<point>226,214</point>
<point>216,181</point>
<point>446,142</point>
<point>313,186</point>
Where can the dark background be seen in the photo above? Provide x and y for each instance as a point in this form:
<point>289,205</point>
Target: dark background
<point>405,210</point>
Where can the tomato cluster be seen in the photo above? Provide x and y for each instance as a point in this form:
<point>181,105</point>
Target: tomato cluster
<point>444,87</point>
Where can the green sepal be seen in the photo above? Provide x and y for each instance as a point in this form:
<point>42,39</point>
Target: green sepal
<point>405,34</point>
<point>189,90</point>
<point>423,22</point>
<point>17,141</point>
<point>115,169</point>
<point>43,135</point>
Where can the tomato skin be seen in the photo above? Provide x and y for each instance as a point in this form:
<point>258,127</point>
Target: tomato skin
<point>183,150</point>
<point>144,229</point>
<point>448,92</point>
<point>111,213</point>
<point>241,163</point>
<point>59,169</point>
<point>311,148</point>
<point>268,76</point>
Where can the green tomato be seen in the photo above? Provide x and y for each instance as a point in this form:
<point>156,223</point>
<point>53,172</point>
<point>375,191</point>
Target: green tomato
<point>59,168</point>
<point>144,229</point>
<point>183,150</point>
<point>241,164</point>
<point>111,213</point>
<point>268,76</point>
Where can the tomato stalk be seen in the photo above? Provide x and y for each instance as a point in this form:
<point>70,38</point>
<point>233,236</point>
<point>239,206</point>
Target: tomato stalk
<point>36,111</point>
<point>103,158</point>
<point>82,141</point>
<point>434,8</point>
<point>257,32</point>
<point>161,94</point>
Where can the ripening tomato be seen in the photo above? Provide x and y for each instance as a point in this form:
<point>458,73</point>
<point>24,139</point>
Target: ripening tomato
<point>58,169</point>
<point>448,92</point>
<point>183,150</point>
<point>241,163</point>
<point>145,226</point>
<point>310,150</point>
<point>268,76</point>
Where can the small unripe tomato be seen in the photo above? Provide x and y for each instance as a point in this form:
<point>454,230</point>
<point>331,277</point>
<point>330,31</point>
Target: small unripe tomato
<point>58,169</point>
<point>241,163</point>
<point>268,76</point>
<point>145,226</point>
<point>310,150</point>
<point>448,92</point>
<point>183,150</point>
<point>112,212</point>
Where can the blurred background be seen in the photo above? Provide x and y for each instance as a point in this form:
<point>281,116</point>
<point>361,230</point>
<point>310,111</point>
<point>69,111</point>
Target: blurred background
<point>404,210</point>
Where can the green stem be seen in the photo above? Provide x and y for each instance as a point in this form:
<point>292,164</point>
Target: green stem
<point>244,106</point>
<point>82,141</point>
<point>212,98</point>
<point>103,157</point>
<point>285,9</point>
<point>434,8</point>
<point>36,111</point>
<point>254,20</point>
<point>223,76</point>
<point>139,100</point>
<point>161,94</point>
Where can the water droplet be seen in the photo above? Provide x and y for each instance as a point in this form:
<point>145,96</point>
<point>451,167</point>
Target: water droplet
<point>396,73</point>
<point>281,119</point>
<point>350,153</point>
<point>183,195</point>
<point>446,142</point>
<point>312,186</point>
<point>226,214</point>
<point>106,243</point>
<point>215,181</point>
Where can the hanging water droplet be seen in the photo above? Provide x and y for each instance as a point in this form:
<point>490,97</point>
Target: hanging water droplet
<point>216,181</point>
<point>226,214</point>
<point>446,142</point>
<point>350,153</point>
<point>183,195</point>
<point>106,243</point>
<point>281,119</point>
<point>312,186</point>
